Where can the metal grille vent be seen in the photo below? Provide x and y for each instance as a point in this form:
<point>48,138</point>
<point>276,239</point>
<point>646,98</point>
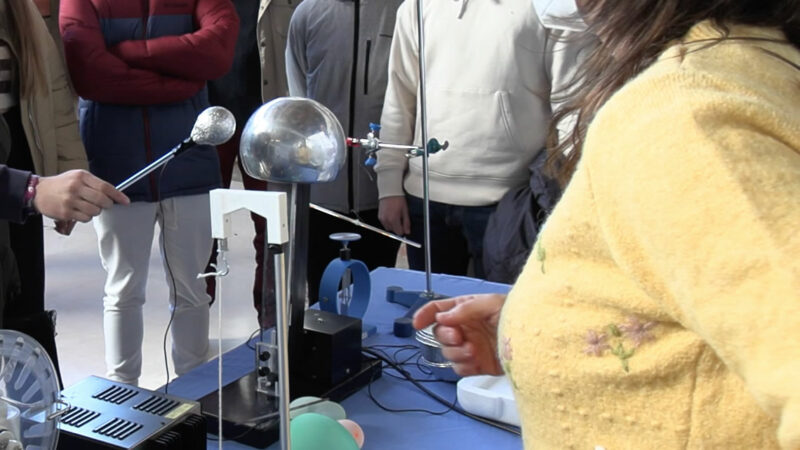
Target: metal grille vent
<point>115,394</point>
<point>157,405</point>
<point>118,429</point>
<point>78,417</point>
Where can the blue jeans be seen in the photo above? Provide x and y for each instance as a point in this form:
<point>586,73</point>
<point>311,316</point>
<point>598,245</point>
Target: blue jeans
<point>456,236</point>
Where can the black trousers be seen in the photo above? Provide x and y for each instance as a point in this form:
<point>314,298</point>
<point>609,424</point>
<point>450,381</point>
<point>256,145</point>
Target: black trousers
<point>456,236</point>
<point>26,312</point>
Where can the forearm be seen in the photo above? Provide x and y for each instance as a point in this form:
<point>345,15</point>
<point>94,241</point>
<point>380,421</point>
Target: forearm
<point>398,117</point>
<point>396,128</point>
<point>205,54</point>
<point>390,180</point>
<point>399,114</point>
<point>100,76</point>
<point>173,56</point>
<point>135,87</point>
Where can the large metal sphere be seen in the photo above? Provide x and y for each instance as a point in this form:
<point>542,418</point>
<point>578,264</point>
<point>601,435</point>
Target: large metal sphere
<point>293,140</point>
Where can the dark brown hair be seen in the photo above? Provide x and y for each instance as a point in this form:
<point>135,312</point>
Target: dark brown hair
<point>632,34</point>
<point>32,73</point>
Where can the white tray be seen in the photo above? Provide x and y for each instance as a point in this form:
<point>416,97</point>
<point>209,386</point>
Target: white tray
<point>489,397</point>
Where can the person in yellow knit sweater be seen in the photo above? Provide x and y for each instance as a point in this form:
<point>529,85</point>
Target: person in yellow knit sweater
<point>660,307</point>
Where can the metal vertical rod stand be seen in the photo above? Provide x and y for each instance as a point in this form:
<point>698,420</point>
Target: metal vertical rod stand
<point>424,131</point>
<point>222,247</point>
<point>414,300</point>
<point>282,332</point>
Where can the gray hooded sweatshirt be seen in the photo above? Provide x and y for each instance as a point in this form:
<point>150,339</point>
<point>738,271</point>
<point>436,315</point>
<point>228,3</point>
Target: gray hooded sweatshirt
<point>322,63</point>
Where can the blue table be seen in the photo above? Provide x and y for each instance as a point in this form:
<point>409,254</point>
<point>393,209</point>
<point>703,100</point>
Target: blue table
<point>383,430</point>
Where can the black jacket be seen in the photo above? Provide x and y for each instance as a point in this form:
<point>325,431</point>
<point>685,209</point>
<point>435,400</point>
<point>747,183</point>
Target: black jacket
<point>12,189</point>
<point>515,223</point>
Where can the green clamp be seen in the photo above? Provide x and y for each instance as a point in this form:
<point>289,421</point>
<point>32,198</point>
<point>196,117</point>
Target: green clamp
<point>434,146</point>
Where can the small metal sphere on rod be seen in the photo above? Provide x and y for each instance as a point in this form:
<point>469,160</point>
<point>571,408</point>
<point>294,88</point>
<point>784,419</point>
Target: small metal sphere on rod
<point>214,126</point>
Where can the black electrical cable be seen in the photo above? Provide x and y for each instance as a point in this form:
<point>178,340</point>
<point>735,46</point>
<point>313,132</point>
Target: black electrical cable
<point>415,355</point>
<point>396,348</point>
<point>403,378</point>
<point>406,362</point>
<point>393,365</point>
<point>249,339</point>
<point>451,405</point>
<point>172,280</point>
<point>422,369</point>
<point>402,410</point>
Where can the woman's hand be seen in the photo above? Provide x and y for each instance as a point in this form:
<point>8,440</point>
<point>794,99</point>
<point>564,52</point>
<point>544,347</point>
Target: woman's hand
<point>76,195</point>
<point>466,326</point>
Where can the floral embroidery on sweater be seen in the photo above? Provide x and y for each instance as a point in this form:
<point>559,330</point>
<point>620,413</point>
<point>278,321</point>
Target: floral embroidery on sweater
<point>620,340</point>
<point>508,352</point>
<point>540,254</point>
<point>637,331</point>
<point>506,355</point>
<point>596,343</point>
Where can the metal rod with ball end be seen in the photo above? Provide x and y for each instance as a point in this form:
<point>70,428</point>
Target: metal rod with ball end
<point>412,299</point>
<point>214,126</point>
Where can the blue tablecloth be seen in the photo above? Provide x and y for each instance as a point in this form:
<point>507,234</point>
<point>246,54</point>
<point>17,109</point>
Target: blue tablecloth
<point>383,430</point>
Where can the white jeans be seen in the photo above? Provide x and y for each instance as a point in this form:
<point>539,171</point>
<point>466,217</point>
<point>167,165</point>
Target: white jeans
<point>125,236</point>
